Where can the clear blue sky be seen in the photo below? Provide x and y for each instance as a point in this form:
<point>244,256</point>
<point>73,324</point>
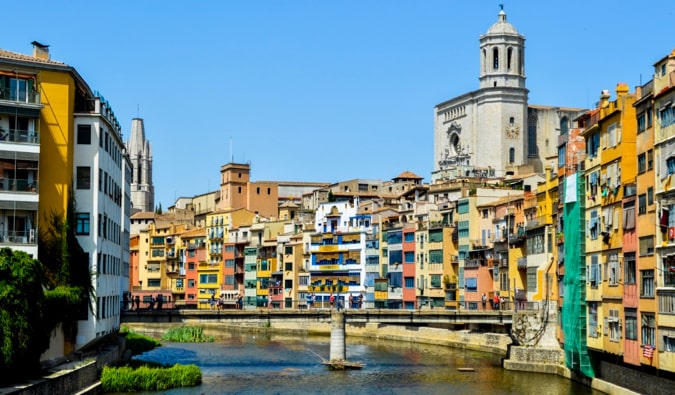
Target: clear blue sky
<point>322,90</point>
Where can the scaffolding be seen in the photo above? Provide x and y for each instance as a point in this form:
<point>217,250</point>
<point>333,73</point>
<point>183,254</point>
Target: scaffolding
<point>574,310</point>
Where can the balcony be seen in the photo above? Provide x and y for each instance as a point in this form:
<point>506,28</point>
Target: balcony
<point>538,222</point>
<point>18,185</point>
<point>20,92</point>
<point>522,263</point>
<point>472,263</point>
<point>19,136</point>
<point>18,237</point>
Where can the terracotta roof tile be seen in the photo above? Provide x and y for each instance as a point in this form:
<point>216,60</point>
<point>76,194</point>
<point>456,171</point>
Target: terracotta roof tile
<point>28,58</point>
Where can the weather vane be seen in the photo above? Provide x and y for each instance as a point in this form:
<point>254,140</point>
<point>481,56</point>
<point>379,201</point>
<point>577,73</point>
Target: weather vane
<point>501,6</point>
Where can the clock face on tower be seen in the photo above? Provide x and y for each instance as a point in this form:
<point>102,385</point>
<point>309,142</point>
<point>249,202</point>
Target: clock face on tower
<point>512,131</point>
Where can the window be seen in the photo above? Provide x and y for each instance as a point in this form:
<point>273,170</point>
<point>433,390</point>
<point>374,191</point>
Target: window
<point>650,159</point>
<point>667,302</point>
<point>614,269</point>
<point>191,283</point>
<point>208,278</point>
<point>435,236</point>
<point>83,177</point>
<point>593,319</point>
<point>535,243</point>
<point>642,204</point>
<point>435,256</point>
<point>642,163</point>
<point>395,256</point>
<point>670,165</point>
<point>668,270</point>
<point>631,324</point>
<point>561,155</point>
<point>641,122</point>
<point>409,257</point>
<point>471,284</point>
<point>594,275</point>
<point>592,145</point>
<point>648,330</point>
<point>410,282</point>
<point>564,125</point>
<point>84,134</point>
<point>82,223</point>
<point>532,136</point>
<point>629,270</point>
<point>531,279</point>
<point>154,282</point>
<point>667,116</point>
<point>409,237</point>
<point>647,283</point>
<point>650,195</point>
<point>229,262</point>
<point>495,58</point>
<point>646,245</point>
<point>613,325</point>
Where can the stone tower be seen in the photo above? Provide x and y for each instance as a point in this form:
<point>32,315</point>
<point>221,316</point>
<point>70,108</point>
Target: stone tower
<point>483,132</point>
<point>142,189</point>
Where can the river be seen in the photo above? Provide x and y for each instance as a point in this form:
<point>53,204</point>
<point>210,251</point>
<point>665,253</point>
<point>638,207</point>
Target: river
<point>254,363</point>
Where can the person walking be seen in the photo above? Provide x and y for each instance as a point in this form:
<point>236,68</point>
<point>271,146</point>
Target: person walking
<point>138,302</point>
<point>483,301</point>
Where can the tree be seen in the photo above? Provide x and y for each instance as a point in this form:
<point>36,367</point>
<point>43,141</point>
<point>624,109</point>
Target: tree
<point>158,210</point>
<point>23,333</point>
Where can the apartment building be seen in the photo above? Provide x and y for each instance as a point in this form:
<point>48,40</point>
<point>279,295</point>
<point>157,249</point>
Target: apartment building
<point>60,140</point>
<point>658,330</point>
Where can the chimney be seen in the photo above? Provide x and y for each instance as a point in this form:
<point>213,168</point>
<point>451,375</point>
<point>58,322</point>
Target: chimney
<point>40,51</point>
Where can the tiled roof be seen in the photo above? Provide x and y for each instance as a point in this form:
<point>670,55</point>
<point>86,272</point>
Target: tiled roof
<point>143,215</point>
<point>28,58</point>
<point>408,175</point>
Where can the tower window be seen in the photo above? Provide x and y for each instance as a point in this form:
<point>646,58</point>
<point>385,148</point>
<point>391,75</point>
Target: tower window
<point>512,155</point>
<point>509,55</point>
<point>512,121</point>
<point>484,60</point>
<point>239,189</point>
<point>495,58</point>
<point>564,126</point>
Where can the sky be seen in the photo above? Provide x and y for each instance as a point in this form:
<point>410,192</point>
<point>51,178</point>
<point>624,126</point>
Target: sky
<point>318,90</point>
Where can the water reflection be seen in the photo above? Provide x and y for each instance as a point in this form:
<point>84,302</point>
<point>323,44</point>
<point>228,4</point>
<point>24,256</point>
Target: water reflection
<point>241,363</point>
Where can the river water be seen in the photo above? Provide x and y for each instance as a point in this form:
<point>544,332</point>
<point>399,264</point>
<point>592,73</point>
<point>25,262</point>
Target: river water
<point>248,363</point>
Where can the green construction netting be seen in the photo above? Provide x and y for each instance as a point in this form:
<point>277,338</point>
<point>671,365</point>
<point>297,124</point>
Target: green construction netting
<point>574,297</point>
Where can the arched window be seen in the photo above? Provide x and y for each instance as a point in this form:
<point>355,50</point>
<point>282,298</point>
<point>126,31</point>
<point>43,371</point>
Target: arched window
<point>509,55</point>
<point>512,155</point>
<point>564,125</point>
<point>484,60</point>
<point>495,58</point>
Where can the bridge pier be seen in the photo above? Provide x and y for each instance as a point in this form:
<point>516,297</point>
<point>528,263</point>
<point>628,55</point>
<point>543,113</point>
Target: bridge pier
<point>337,336</point>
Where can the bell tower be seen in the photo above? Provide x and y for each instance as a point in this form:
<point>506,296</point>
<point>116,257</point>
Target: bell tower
<point>502,56</point>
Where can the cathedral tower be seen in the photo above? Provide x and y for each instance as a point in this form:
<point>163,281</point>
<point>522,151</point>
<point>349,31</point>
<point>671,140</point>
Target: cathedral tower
<point>142,189</point>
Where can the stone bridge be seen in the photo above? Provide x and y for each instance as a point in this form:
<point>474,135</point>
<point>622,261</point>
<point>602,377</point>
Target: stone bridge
<point>465,319</point>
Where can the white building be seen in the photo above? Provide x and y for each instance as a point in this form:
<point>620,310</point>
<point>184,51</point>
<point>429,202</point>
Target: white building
<point>103,211</point>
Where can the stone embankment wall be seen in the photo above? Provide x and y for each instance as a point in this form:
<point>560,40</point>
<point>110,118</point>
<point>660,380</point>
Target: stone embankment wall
<point>76,377</point>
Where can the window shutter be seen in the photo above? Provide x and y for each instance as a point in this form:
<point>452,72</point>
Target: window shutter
<point>605,326</point>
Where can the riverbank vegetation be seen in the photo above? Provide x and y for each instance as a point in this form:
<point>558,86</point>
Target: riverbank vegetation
<point>147,377</point>
<point>138,343</point>
<point>39,297</point>
<point>187,334</point>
